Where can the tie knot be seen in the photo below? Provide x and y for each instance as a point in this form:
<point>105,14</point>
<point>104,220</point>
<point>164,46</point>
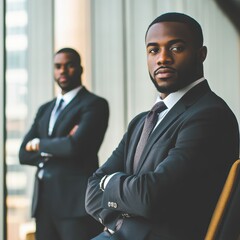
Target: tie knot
<point>159,107</point>
<point>60,105</point>
<point>61,101</point>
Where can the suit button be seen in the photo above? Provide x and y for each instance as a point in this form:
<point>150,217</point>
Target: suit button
<point>112,204</point>
<point>41,165</point>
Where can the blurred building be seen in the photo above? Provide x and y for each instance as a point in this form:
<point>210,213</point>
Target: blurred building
<point>109,34</point>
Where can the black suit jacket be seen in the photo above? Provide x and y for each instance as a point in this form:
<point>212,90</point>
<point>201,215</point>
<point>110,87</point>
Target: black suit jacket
<point>180,175</point>
<point>74,158</point>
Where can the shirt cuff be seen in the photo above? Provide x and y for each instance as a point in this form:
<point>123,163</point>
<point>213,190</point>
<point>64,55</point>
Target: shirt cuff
<point>105,180</point>
<point>44,154</point>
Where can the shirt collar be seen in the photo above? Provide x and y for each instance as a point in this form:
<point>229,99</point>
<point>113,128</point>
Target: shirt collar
<point>173,98</point>
<point>67,97</point>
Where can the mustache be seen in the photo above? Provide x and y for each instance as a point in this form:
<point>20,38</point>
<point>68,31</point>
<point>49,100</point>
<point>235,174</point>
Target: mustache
<point>164,69</point>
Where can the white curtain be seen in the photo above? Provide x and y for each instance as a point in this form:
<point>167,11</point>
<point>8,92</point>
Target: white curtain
<point>119,70</point>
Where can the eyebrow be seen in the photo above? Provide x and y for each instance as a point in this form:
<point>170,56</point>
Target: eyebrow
<point>155,44</point>
<point>58,63</point>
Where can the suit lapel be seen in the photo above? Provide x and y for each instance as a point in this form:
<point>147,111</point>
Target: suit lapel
<point>46,118</point>
<point>76,100</point>
<point>171,116</point>
<point>180,107</point>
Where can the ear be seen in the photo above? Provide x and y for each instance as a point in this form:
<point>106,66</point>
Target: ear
<point>202,53</point>
<point>81,69</point>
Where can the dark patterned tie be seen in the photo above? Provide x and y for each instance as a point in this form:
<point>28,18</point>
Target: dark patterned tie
<point>58,111</point>
<point>149,124</point>
<point>59,108</point>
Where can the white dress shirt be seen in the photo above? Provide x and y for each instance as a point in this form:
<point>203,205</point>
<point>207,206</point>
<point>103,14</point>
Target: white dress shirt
<point>173,98</point>
<point>67,97</point>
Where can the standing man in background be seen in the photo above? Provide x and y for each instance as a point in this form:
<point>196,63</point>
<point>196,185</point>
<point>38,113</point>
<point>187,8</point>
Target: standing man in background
<point>163,180</point>
<point>63,143</point>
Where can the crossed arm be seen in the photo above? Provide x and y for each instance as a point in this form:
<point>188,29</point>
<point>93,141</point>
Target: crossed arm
<point>187,157</point>
<point>33,145</point>
<point>83,129</point>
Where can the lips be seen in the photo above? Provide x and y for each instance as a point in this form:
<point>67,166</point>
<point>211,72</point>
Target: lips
<point>63,79</point>
<point>164,72</point>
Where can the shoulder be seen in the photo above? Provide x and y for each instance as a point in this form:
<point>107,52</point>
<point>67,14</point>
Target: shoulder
<point>90,94</point>
<point>137,119</point>
<point>91,98</point>
<point>212,101</point>
<point>202,98</point>
<point>45,106</point>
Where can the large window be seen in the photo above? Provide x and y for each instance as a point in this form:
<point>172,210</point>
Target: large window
<point>29,83</point>
<point>17,176</point>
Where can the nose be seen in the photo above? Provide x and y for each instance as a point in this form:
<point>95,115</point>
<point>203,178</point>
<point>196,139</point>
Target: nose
<point>164,57</point>
<point>63,69</point>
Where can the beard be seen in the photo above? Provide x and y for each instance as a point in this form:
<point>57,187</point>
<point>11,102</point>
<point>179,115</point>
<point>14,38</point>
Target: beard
<point>70,84</point>
<point>167,89</point>
<point>182,81</point>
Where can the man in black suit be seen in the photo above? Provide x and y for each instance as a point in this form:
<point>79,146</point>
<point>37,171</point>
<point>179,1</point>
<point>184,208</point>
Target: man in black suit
<point>166,188</point>
<point>63,144</point>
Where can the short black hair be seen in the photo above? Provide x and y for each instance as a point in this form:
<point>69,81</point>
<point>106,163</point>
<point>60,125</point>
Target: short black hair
<point>71,51</point>
<point>182,18</point>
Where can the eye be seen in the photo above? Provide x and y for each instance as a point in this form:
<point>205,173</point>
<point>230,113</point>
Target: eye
<point>153,50</point>
<point>177,49</point>
<point>70,65</point>
<point>57,66</point>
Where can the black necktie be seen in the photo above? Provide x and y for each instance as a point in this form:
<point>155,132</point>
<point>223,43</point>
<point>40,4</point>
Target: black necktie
<point>58,110</point>
<point>149,124</point>
<point>55,115</point>
<point>59,106</point>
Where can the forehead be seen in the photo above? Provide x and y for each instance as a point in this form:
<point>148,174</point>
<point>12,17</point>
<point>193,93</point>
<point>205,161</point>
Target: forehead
<point>64,58</point>
<point>167,31</point>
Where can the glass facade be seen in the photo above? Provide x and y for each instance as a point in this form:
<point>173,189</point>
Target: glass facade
<point>17,177</point>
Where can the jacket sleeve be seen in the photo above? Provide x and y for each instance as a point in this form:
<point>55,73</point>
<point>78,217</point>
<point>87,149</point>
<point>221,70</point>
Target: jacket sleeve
<point>94,195</point>
<point>92,126</point>
<point>196,149</point>
<point>92,123</point>
<point>31,158</point>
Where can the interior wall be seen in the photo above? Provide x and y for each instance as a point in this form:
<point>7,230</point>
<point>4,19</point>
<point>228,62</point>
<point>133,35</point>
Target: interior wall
<point>72,29</point>
<point>40,55</point>
<point>109,66</point>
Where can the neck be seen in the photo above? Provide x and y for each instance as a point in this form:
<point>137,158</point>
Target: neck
<point>163,95</point>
